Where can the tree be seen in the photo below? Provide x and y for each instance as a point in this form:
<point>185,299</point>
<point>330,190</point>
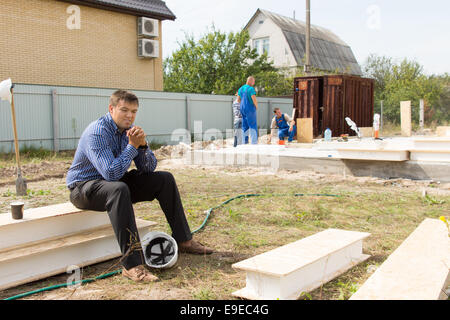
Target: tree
<point>441,108</point>
<point>403,81</point>
<point>220,63</point>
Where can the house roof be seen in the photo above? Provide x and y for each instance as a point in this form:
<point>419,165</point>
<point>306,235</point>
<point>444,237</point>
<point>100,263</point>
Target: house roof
<point>149,8</point>
<point>328,51</point>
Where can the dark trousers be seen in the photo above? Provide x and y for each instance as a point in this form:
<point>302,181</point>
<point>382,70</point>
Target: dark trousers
<point>117,197</point>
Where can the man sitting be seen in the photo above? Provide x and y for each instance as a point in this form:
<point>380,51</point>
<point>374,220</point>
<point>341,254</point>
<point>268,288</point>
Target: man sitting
<point>286,126</point>
<point>99,180</point>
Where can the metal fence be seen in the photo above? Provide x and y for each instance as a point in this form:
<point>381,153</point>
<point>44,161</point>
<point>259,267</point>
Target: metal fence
<point>53,118</point>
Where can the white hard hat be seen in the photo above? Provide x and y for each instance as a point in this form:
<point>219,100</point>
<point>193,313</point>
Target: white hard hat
<point>160,250</point>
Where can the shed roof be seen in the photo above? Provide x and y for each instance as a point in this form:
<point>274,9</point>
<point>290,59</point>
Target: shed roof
<point>328,51</point>
<point>149,8</point>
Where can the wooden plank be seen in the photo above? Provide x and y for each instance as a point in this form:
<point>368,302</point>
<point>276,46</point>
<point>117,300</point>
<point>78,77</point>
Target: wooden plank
<point>301,266</point>
<point>373,154</point>
<point>43,275</point>
<point>305,130</point>
<point>430,151</point>
<point>40,213</point>
<point>417,270</point>
<point>366,131</point>
<point>44,260</point>
<point>45,224</point>
<point>438,139</point>
<point>405,118</point>
<point>432,144</point>
<point>48,222</point>
<point>63,241</point>
<point>316,278</point>
<point>430,155</point>
<point>288,258</point>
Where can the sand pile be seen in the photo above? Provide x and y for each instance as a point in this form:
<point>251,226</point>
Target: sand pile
<point>180,149</point>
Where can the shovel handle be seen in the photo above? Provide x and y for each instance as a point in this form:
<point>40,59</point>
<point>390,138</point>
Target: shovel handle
<point>16,142</point>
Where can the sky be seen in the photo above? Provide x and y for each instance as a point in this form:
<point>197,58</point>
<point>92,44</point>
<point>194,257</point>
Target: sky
<point>417,30</point>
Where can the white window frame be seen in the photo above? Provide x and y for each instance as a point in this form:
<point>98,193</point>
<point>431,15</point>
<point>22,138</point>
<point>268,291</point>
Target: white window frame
<point>262,45</point>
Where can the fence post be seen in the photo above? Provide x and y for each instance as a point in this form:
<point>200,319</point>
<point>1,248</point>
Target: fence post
<point>381,116</point>
<point>188,114</point>
<point>269,114</point>
<point>232,114</point>
<point>421,115</point>
<point>55,112</point>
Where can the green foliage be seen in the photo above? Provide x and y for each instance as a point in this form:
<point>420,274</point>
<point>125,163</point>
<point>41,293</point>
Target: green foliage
<point>431,201</point>
<point>220,63</point>
<point>8,193</point>
<point>33,193</point>
<point>406,81</point>
<point>204,294</point>
<point>346,289</point>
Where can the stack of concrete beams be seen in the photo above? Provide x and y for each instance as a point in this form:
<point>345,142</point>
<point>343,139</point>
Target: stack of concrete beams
<point>50,240</point>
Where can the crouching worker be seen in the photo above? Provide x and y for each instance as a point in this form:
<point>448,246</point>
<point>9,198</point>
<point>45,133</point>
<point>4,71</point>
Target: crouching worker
<point>99,180</point>
<point>286,126</point>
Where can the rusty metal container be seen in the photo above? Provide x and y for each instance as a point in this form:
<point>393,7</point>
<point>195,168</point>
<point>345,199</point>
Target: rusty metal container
<point>329,99</point>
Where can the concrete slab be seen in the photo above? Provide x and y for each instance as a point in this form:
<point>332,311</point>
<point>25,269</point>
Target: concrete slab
<point>388,158</point>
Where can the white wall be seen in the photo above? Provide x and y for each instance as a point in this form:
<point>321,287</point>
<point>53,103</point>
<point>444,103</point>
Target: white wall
<point>278,44</point>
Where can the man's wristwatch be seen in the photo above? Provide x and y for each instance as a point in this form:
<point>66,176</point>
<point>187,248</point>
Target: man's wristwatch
<point>144,147</point>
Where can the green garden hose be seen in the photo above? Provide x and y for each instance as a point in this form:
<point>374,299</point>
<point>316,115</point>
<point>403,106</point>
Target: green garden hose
<point>208,214</point>
<point>57,286</point>
<point>209,211</point>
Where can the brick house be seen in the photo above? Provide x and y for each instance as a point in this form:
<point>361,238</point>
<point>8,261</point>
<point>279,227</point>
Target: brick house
<point>84,43</point>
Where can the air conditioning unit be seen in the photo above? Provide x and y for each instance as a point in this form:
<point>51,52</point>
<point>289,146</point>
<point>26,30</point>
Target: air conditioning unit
<point>147,27</point>
<point>148,48</point>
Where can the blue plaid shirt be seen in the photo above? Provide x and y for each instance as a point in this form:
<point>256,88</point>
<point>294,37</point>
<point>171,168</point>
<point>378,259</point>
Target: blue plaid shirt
<point>104,153</point>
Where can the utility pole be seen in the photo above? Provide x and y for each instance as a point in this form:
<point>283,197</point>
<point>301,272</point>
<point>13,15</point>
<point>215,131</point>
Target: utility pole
<point>308,36</point>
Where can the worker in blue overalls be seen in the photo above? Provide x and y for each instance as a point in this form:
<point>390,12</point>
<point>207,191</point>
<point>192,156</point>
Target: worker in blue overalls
<point>249,105</point>
<point>286,126</point>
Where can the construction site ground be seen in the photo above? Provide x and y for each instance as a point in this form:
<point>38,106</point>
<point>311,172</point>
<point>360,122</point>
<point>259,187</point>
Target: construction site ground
<point>389,209</point>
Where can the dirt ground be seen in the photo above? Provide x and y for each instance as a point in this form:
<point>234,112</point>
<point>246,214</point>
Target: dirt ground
<point>389,209</point>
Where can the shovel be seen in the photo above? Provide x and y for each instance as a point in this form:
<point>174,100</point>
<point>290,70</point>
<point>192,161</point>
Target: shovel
<point>21,184</point>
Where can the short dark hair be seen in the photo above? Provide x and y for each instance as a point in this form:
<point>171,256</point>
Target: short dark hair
<point>275,110</point>
<point>124,95</point>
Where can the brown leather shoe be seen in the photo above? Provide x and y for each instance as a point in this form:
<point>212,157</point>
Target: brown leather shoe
<point>194,247</point>
<point>139,274</point>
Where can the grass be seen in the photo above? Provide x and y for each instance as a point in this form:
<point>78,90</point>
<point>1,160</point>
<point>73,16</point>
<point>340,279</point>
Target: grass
<point>391,129</point>
<point>246,227</point>
<point>34,155</point>
<point>258,224</point>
